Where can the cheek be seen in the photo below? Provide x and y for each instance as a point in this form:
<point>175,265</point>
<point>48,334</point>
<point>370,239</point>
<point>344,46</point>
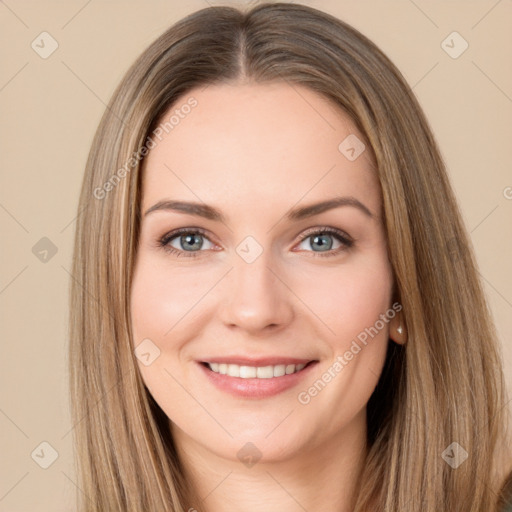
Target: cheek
<point>163,301</point>
<point>167,308</point>
<point>349,298</point>
<point>355,301</point>
<point>162,306</point>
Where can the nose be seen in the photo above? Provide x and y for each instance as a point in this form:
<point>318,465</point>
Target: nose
<point>255,297</point>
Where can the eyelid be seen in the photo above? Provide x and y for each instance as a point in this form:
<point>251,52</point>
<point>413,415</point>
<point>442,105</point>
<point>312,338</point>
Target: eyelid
<point>326,229</point>
<point>192,229</point>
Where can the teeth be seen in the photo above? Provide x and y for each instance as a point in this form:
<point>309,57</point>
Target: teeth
<point>233,370</point>
<point>264,372</point>
<point>248,372</point>
<point>255,372</point>
<point>279,370</point>
<point>290,369</point>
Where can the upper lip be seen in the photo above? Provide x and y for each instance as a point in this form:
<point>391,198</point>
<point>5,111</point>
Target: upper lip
<point>259,361</point>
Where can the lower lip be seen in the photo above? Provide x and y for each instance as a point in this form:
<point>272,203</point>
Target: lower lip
<point>255,388</point>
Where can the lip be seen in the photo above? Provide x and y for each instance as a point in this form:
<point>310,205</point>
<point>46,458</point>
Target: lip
<point>256,388</point>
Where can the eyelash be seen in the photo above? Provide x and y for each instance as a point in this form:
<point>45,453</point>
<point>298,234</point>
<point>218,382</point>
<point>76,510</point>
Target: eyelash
<point>342,237</point>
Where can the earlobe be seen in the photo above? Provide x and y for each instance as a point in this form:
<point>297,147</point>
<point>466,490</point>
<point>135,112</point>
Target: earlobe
<point>397,330</point>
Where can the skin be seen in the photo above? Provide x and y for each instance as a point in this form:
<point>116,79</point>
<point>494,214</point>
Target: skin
<point>255,151</point>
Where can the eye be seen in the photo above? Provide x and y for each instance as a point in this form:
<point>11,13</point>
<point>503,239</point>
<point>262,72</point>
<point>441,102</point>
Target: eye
<point>185,242</point>
<point>328,241</point>
<point>189,242</point>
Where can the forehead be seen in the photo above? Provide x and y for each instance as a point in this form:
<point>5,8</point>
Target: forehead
<point>256,142</point>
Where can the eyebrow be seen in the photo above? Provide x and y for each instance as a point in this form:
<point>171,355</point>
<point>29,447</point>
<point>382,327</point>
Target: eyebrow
<point>211,213</point>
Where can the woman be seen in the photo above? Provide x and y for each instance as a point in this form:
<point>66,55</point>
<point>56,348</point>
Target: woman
<point>276,306</point>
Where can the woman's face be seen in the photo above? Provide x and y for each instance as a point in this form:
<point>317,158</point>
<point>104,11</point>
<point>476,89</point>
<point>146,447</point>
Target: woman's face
<point>279,275</point>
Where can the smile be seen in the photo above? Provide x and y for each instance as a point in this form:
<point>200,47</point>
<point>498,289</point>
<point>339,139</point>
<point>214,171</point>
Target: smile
<point>257,379</point>
<point>255,372</point>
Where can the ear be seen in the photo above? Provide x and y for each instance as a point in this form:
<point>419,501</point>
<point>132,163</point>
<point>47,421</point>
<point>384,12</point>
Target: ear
<point>397,330</point>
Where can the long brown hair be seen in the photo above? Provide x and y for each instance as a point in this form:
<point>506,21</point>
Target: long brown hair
<point>446,386</point>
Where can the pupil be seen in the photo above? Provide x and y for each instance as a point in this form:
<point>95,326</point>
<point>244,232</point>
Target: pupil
<point>326,244</point>
<point>191,241</point>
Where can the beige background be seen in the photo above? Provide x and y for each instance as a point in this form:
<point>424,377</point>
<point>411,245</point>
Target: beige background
<point>50,110</point>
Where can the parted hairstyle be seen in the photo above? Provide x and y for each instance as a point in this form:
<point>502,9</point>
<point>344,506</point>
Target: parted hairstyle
<point>445,385</point>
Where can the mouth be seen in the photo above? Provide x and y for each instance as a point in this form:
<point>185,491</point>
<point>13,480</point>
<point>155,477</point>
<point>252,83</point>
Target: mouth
<point>255,372</point>
<point>263,378</point>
